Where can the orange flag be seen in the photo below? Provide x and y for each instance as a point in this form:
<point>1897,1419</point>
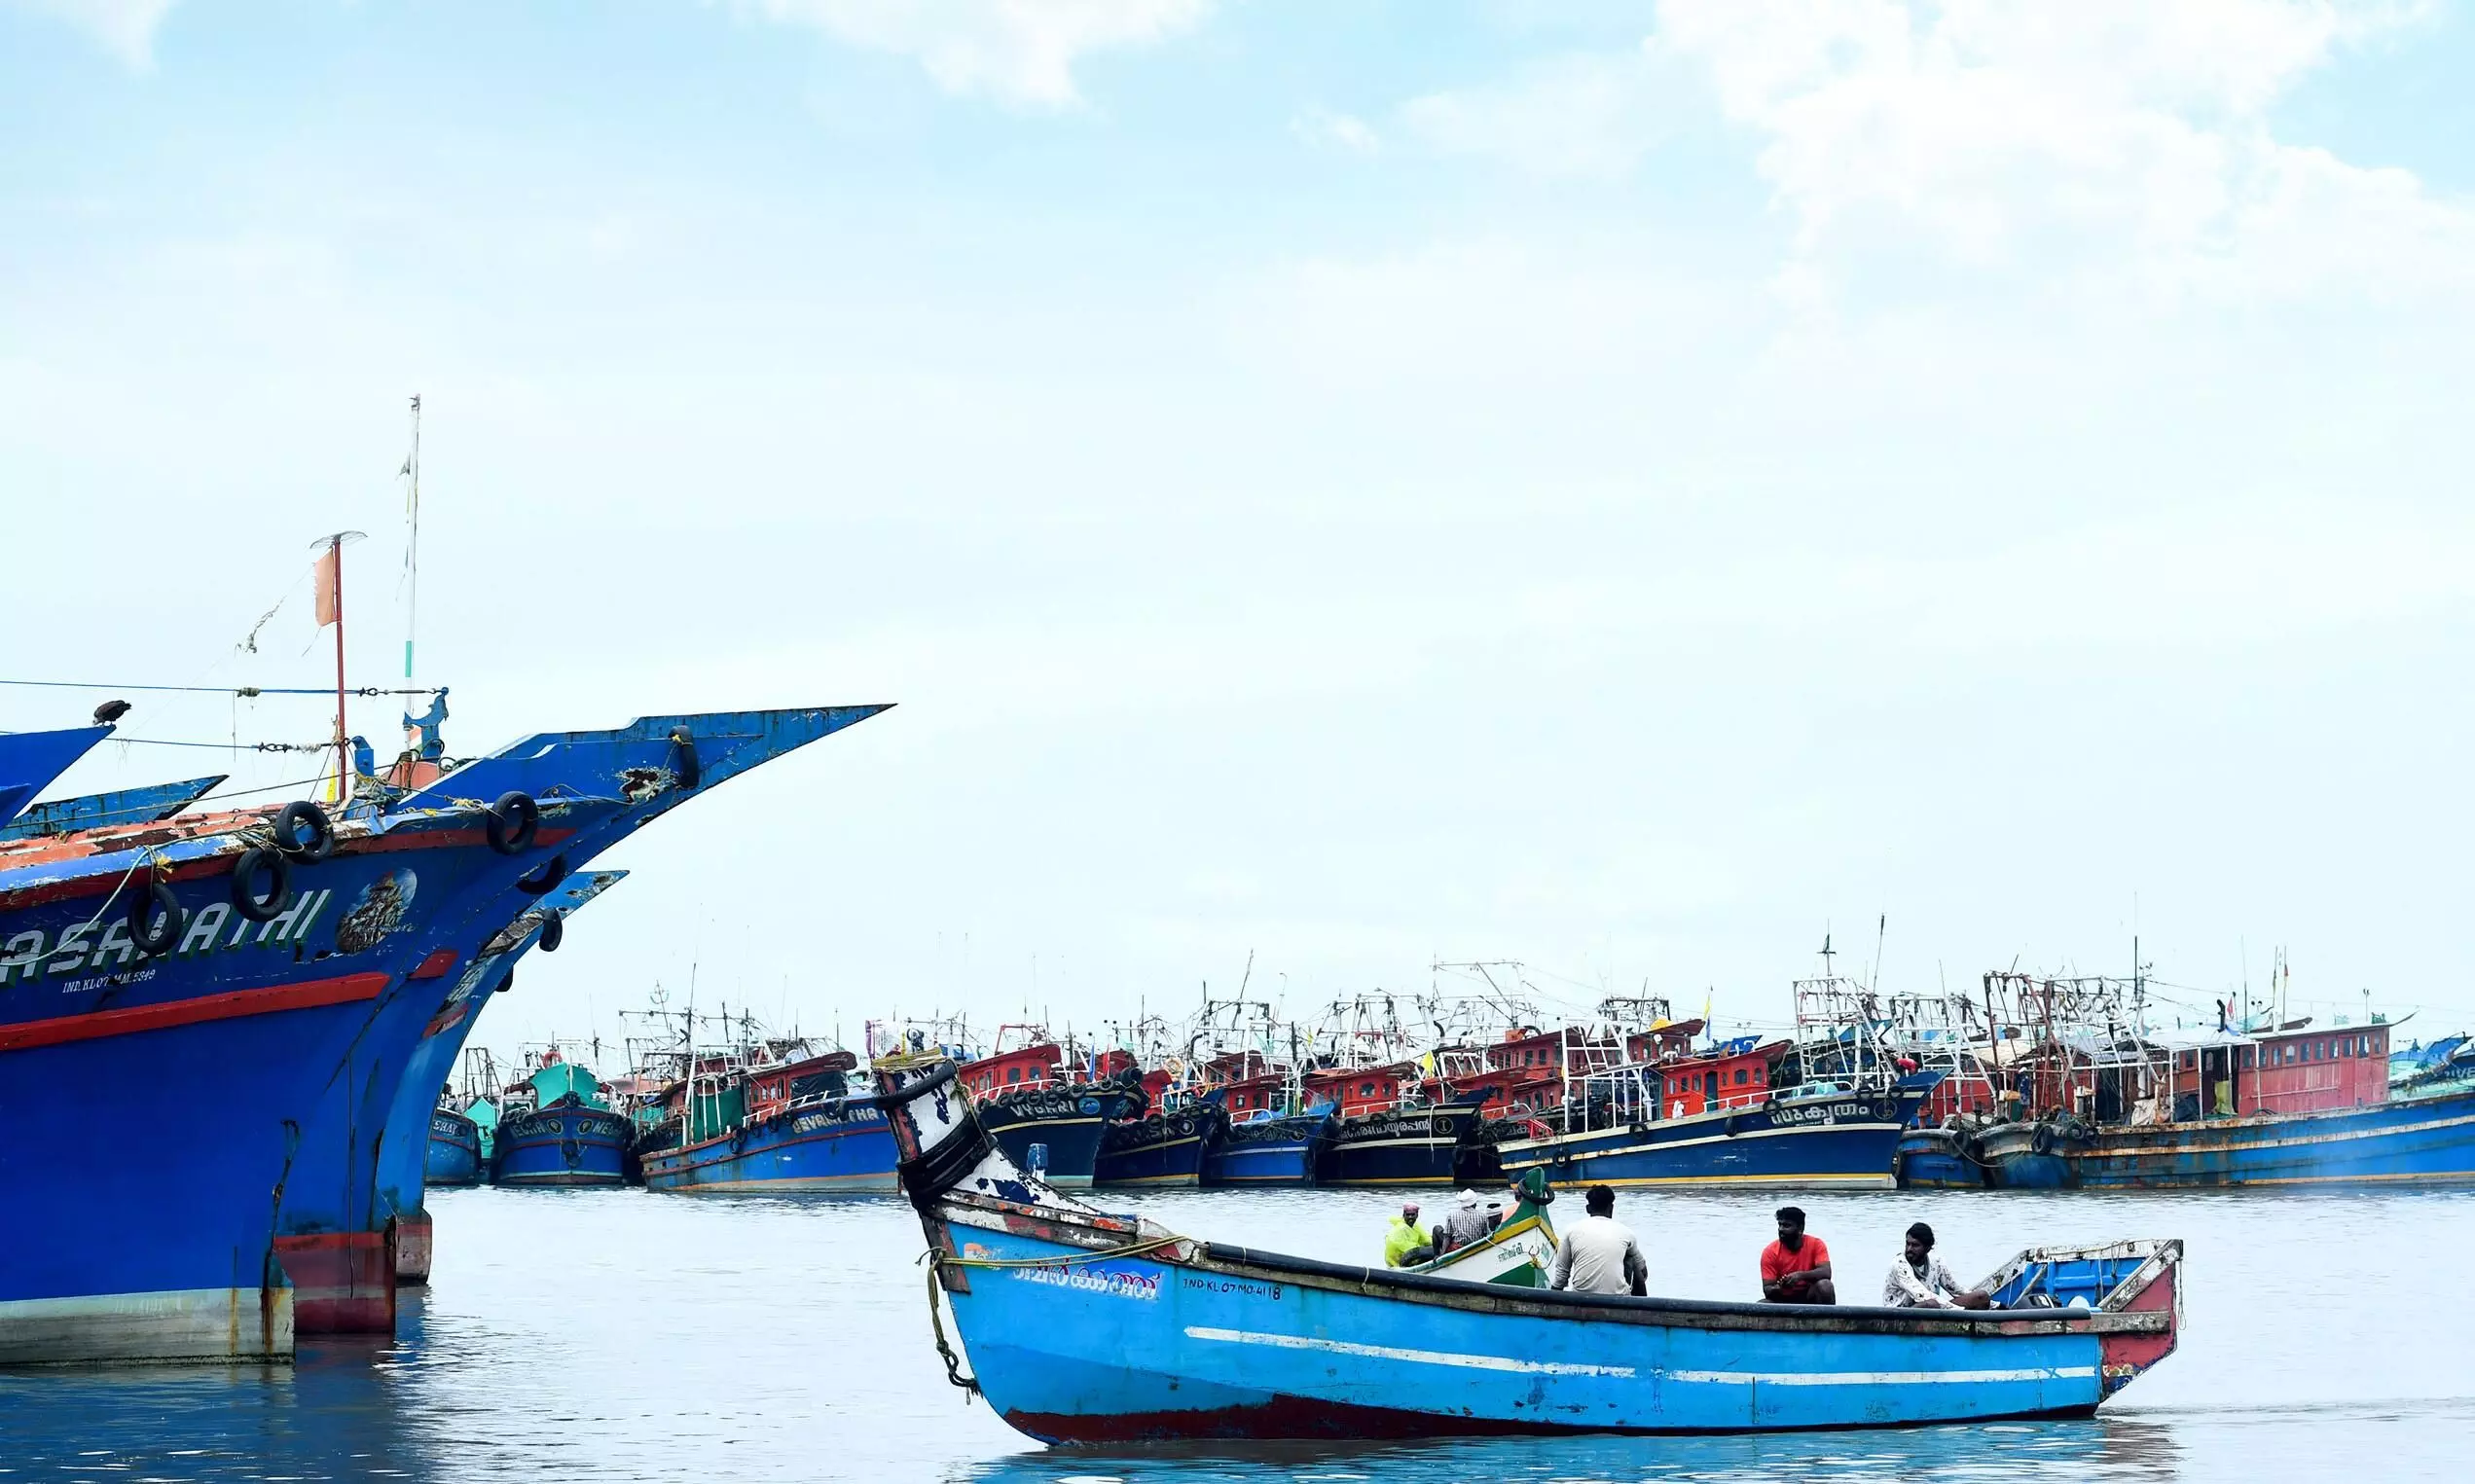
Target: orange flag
<point>329,580</point>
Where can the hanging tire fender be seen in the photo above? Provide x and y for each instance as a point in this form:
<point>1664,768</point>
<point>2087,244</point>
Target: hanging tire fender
<point>554,932</point>
<point>303,833</point>
<point>247,899</point>
<point>511,824</point>
<point>153,898</point>
<point>2042,1139</point>
<point>685,766</point>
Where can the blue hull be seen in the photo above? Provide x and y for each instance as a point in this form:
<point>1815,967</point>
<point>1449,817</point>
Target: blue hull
<point>451,1155</point>
<point>403,1172</point>
<point>561,1146</point>
<point>271,1051</point>
<point>628,777</point>
<point>1407,1147</point>
<point>1162,1150</point>
<point>1277,1152</point>
<point>1932,1160</point>
<point>2420,1142</point>
<point>839,1146</point>
<point>1846,1143</point>
<point>1236,1344</point>
<point>1056,1133</point>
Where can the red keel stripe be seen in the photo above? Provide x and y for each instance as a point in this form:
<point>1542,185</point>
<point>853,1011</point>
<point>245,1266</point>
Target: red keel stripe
<point>229,1006</point>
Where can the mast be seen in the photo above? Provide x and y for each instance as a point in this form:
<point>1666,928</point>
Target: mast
<point>342,748</point>
<point>412,539</point>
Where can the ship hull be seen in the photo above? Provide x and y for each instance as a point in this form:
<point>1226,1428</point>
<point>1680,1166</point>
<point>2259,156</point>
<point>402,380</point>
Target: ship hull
<point>1272,1151</point>
<point>837,1147</point>
<point>561,1146</point>
<point>1933,1159</point>
<point>1165,1149</point>
<point>1055,1132</point>
<point>2420,1141</point>
<point>452,1156</point>
<point>1403,1146</point>
<point>1841,1143</point>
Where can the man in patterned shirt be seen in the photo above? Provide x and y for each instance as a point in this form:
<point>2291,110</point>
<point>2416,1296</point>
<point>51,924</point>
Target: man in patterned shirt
<point>1919,1280</point>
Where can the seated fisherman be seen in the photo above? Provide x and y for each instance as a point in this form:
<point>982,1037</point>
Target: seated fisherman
<point>1598,1254</point>
<point>1467,1223</point>
<point>1919,1280</point>
<point>1405,1245</point>
<point>1796,1269</point>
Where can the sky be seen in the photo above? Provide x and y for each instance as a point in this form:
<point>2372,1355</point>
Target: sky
<point>1625,488</point>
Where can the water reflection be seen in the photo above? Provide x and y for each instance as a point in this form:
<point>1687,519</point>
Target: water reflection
<point>2105,1449</point>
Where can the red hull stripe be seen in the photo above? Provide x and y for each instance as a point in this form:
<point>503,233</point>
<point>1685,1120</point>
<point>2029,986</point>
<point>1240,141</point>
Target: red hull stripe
<point>96,1025</point>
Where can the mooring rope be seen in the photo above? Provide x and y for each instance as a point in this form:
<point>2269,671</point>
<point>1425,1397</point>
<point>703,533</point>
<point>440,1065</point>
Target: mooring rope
<point>937,1260</point>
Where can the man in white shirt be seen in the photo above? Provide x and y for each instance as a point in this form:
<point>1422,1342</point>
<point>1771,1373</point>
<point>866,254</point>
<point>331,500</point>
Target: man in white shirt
<point>1919,1280</point>
<point>1598,1253</point>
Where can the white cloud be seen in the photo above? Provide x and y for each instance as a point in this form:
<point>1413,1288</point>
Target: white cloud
<point>1586,116</point>
<point>2009,132</point>
<point>125,28</point>
<point>1016,51</point>
<point>1325,128</point>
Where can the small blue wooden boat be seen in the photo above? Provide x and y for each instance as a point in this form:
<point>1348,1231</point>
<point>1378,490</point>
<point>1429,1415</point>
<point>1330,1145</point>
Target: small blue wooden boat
<point>1082,1327</point>
<point>567,1142</point>
<point>454,1157</point>
<point>1270,1148</point>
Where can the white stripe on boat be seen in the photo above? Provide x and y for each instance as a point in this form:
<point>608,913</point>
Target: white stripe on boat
<point>1715,1378</point>
<point>1391,1353</point>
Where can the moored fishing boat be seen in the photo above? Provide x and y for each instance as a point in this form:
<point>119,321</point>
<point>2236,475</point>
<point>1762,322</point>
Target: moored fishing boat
<point>1082,1327</point>
<point>451,1159</point>
<point>31,760</point>
<point>1164,1146</point>
<point>777,1115</point>
<point>556,1128</point>
<point>1265,1147</point>
<point>1042,1119</point>
<point>598,787</point>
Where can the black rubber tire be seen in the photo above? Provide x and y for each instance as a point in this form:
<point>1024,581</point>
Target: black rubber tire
<point>512,822</point>
<point>554,932</point>
<point>553,871</point>
<point>303,833</point>
<point>143,915</point>
<point>688,769</point>
<point>2042,1141</point>
<point>245,899</point>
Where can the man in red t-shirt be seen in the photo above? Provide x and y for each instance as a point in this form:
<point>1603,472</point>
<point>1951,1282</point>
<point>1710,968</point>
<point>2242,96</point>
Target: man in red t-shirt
<point>1796,1269</point>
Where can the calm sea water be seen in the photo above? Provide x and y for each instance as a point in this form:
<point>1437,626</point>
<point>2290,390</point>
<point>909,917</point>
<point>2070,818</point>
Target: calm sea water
<point>619,1335</point>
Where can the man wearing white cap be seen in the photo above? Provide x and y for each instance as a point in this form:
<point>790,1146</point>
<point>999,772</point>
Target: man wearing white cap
<point>1465,1223</point>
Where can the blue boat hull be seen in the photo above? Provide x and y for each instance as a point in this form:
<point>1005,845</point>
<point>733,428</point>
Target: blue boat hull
<point>1276,1151</point>
<point>1405,1146</point>
<point>1162,1150</point>
<point>2419,1141</point>
<point>403,1169</point>
<point>561,1146</point>
<point>1930,1159</point>
<point>839,1146</point>
<point>1056,1131</point>
<point>451,1156</point>
<point>1240,1345</point>
<point>31,760</point>
<point>1847,1143</point>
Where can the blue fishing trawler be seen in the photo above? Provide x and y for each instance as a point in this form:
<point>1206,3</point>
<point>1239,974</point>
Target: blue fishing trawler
<point>450,1158</point>
<point>600,788</point>
<point>403,1176</point>
<point>1169,1145</point>
<point>309,950</point>
<point>1270,1148</point>
<point>556,1128</point>
<point>1724,1115</point>
<point>1047,1120</point>
<point>1082,1327</point>
<point>2299,1106</point>
<point>786,1119</point>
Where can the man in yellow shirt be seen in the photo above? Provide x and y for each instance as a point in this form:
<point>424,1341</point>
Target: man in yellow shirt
<point>1406,1244</point>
